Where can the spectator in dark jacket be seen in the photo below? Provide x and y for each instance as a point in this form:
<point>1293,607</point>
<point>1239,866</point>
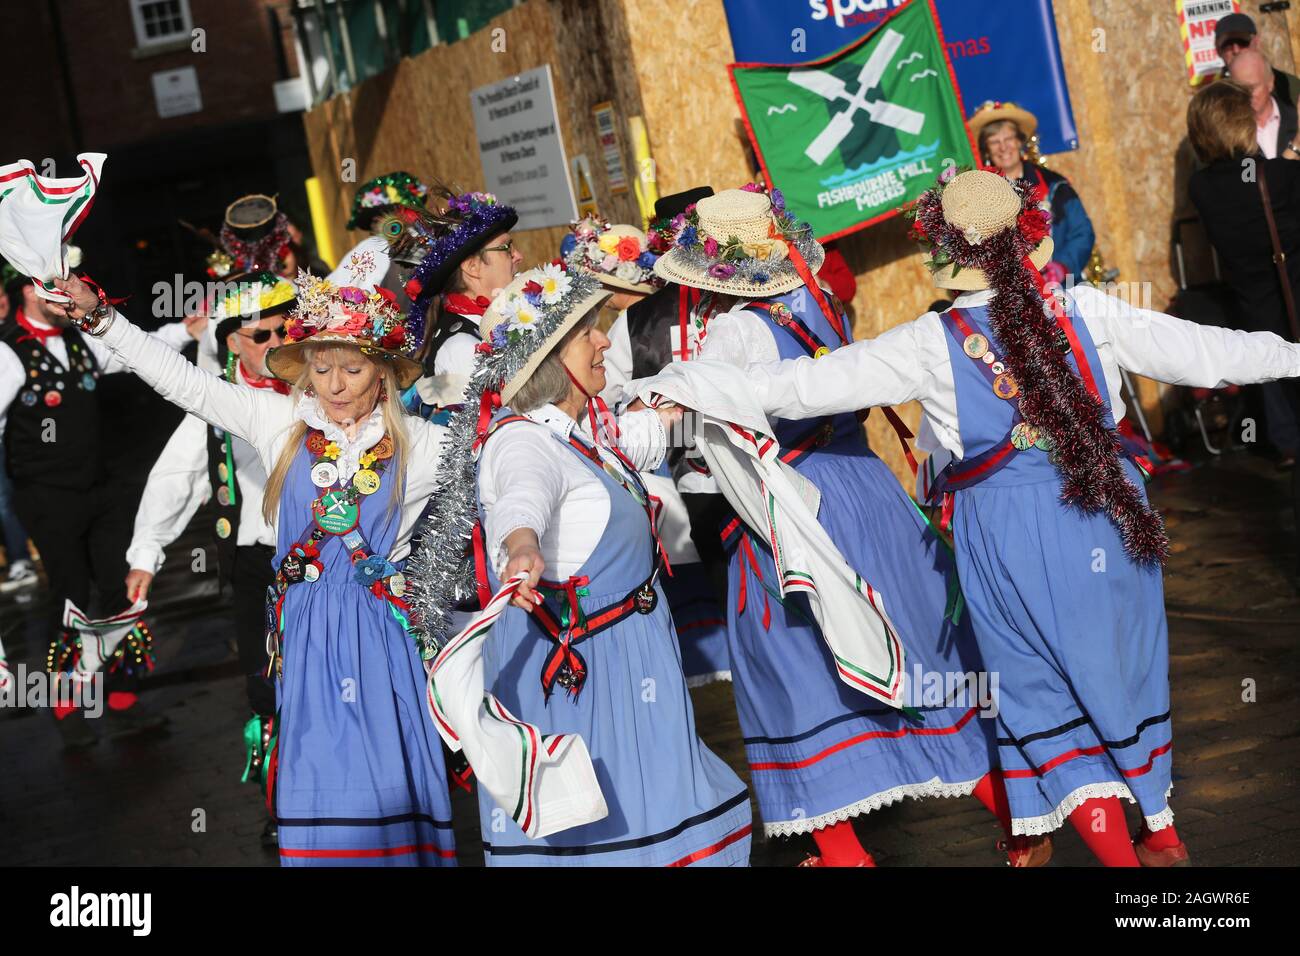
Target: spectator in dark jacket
<point>1228,197</point>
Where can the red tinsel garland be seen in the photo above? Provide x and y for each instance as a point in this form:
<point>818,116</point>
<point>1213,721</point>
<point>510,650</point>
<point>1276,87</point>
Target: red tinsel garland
<point>1052,398</point>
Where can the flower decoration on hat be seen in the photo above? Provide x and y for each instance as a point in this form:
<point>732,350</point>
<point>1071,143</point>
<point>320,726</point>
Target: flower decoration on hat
<point>260,294</point>
<point>621,256</point>
<point>746,246</point>
<point>370,319</point>
<point>433,243</point>
<point>962,245</point>
<point>384,192</point>
<point>347,312</point>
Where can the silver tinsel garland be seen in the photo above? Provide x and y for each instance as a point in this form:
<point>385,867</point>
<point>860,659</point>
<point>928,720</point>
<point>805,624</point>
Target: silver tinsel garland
<point>440,574</point>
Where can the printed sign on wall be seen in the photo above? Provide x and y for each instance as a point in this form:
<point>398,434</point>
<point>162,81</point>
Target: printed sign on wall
<point>522,150</point>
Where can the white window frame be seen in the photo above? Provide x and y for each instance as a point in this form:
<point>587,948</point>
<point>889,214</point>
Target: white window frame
<point>143,40</point>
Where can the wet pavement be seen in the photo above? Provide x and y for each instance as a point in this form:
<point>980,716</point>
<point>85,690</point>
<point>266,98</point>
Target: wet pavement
<point>175,798</point>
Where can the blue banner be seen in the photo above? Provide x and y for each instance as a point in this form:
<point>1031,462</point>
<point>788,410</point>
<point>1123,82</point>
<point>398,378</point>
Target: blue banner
<point>1006,50</point>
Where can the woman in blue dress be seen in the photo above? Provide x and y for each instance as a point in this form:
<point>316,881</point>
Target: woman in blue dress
<point>588,648</point>
<point>356,775</point>
<point>820,753</point>
<point>1058,552</point>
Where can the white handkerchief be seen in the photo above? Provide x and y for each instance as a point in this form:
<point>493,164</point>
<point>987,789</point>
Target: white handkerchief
<point>39,214</point>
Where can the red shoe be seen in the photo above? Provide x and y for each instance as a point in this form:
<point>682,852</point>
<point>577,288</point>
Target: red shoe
<point>818,861</point>
<point>1027,851</point>
<point>1169,856</point>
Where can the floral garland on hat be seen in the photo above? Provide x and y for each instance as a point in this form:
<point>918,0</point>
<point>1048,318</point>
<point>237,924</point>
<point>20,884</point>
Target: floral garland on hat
<point>602,248</point>
<point>754,262</point>
<point>324,307</point>
<point>1026,319</point>
<point>440,573</point>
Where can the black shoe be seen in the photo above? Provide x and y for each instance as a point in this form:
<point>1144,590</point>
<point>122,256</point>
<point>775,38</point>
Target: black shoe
<point>75,732</point>
<point>133,720</point>
<point>271,836</point>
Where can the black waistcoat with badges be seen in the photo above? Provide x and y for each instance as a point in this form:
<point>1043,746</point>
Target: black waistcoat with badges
<point>53,430</point>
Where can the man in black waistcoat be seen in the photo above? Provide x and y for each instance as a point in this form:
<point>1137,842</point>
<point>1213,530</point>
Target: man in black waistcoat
<point>55,448</point>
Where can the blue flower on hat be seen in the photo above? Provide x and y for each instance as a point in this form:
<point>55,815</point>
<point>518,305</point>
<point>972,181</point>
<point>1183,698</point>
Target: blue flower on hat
<point>647,260</point>
<point>687,237</point>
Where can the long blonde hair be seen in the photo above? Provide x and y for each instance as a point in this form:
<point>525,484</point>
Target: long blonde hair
<point>394,416</point>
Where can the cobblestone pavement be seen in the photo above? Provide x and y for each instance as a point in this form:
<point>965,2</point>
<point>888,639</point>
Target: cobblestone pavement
<point>1234,620</point>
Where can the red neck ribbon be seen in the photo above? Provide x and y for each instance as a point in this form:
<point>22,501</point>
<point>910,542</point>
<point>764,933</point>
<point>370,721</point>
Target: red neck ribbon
<point>461,304</point>
<point>36,332</point>
<point>257,381</point>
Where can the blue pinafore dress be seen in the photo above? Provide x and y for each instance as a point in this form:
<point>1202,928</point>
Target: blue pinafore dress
<point>671,801</point>
<point>820,752</point>
<point>360,778</point>
<point>1073,627</point>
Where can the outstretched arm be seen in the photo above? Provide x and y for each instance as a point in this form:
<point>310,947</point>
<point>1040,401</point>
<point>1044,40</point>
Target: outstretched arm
<point>1173,350</point>
<point>887,370</point>
<point>254,415</point>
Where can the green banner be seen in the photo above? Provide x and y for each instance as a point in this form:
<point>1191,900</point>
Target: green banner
<point>851,138</point>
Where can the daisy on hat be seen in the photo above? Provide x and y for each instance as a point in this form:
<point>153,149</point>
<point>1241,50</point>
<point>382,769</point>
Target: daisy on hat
<point>618,255</point>
<point>327,313</point>
<point>741,242</point>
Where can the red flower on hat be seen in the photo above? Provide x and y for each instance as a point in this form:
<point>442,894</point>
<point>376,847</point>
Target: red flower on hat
<point>388,295</point>
<point>628,248</point>
<point>396,338</point>
<point>1034,225</point>
<point>412,289</point>
<point>532,287</point>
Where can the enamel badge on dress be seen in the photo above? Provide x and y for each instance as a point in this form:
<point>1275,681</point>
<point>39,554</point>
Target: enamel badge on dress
<point>646,599</point>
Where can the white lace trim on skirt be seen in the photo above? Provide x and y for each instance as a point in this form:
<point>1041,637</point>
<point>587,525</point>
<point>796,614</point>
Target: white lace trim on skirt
<point>1034,826</point>
<point>917,791</point>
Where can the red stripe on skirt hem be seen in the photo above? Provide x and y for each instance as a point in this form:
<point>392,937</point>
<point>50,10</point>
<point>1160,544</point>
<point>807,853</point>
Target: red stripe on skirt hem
<point>716,848</point>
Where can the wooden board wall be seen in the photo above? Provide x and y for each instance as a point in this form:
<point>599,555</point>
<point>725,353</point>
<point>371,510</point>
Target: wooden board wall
<point>666,60</point>
<point>417,115</point>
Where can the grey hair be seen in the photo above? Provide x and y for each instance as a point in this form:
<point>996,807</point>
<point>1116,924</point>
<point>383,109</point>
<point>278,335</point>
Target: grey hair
<point>550,384</point>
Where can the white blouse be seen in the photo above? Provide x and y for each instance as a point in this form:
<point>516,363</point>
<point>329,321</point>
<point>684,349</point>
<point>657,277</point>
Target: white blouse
<point>911,362</point>
<point>264,419</point>
<point>527,479</point>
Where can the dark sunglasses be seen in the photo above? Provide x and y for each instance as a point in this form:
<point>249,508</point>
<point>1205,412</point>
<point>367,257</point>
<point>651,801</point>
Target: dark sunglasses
<point>260,336</point>
<point>1233,44</point>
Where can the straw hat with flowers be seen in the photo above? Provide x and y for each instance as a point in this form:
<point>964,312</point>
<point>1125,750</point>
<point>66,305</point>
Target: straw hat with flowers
<point>618,255</point>
<point>741,242</point>
<point>327,313</point>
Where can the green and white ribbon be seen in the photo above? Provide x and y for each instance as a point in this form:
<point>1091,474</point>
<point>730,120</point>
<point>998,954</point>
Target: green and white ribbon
<point>546,782</point>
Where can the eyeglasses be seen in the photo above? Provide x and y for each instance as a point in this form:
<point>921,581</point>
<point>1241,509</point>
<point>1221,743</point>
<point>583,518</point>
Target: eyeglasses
<point>507,247</point>
<point>1234,43</point>
<point>261,336</point>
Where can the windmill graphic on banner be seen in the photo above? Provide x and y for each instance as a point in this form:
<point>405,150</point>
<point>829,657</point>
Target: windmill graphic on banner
<point>832,88</point>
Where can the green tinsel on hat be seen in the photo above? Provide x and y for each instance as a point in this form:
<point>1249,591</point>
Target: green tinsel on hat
<point>382,194</point>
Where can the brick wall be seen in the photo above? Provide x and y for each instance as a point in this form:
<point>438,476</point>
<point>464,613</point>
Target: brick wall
<point>113,84</point>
